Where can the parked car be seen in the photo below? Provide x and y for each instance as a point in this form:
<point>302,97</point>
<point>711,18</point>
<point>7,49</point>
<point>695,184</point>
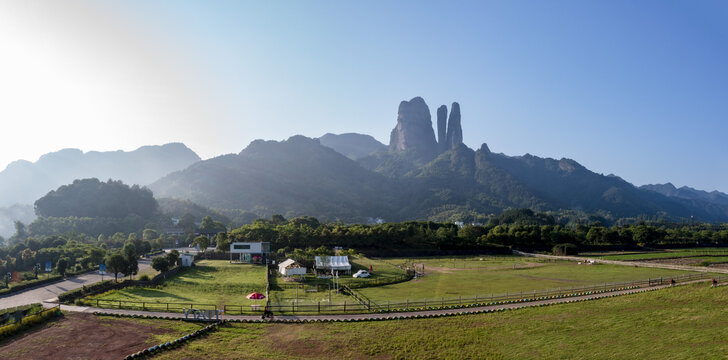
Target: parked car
<point>362,274</point>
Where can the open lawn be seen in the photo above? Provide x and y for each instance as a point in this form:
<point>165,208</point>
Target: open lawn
<point>669,253</point>
<point>684,322</point>
<point>213,282</point>
<point>306,294</point>
<point>500,274</point>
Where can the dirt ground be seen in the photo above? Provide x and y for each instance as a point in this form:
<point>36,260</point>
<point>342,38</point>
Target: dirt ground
<point>80,336</point>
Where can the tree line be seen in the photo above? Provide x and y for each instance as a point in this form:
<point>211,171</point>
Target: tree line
<point>525,229</point>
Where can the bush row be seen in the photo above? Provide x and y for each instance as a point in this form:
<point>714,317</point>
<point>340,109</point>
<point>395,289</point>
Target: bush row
<point>86,290</point>
<point>28,321</point>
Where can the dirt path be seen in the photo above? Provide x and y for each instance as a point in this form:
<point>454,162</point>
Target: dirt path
<point>81,336</point>
<point>627,263</point>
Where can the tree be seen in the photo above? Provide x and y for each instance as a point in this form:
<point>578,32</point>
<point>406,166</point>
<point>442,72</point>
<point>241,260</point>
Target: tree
<point>160,263</point>
<point>116,264</point>
<point>173,258</point>
<point>223,242</point>
<point>131,258</point>
<point>203,241</point>
<point>62,265</point>
<point>149,234</point>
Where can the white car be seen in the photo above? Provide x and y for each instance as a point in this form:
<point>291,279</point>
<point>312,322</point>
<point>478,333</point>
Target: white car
<point>361,274</point>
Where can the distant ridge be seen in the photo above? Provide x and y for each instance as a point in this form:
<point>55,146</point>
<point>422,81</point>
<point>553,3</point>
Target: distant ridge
<point>352,145</point>
<point>23,182</point>
<point>688,193</point>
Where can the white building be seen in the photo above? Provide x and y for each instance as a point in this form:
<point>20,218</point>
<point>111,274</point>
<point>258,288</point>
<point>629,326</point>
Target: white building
<point>186,259</point>
<point>249,252</point>
<point>290,267</point>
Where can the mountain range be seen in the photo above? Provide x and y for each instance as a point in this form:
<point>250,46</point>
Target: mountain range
<point>419,175</point>
<point>424,172</point>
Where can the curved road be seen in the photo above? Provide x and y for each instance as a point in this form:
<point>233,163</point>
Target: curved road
<point>50,291</point>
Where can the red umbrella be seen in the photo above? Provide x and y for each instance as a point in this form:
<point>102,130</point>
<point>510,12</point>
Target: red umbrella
<point>255,296</point>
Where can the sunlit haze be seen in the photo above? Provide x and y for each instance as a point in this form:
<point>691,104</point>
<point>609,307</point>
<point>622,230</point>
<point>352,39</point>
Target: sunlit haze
<point>637,89</point>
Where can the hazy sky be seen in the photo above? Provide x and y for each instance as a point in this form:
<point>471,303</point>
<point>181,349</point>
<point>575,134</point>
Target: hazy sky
<point>634,88</point>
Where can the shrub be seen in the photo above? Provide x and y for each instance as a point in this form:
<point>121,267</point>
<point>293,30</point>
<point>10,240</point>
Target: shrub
<point>144,277</point>
<point>28,321</point>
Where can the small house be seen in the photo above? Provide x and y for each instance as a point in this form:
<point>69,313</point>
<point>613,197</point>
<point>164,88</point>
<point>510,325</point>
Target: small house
<point>186,259</point>
<point>290,267</point>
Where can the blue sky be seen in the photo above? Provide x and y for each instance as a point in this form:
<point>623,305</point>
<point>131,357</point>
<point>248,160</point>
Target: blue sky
<point>634,88</point>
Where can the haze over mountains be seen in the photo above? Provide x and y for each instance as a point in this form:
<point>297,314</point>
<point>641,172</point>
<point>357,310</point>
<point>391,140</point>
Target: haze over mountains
<point>23,182</point>
<point>420,174</point>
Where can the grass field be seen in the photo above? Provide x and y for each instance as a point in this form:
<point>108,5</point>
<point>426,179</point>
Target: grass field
<point>497,275</point>
<point>304,295</point>
<point>685,322</point>
<point>676,253</point>
<point>210,282</point>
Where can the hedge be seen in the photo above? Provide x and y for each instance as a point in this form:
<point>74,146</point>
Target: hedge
<point>86,290</point>
<point>28,321</point>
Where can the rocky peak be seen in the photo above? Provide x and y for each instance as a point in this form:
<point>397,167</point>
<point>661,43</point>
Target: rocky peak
<point>414,129</point>
<point>442,127</point>
<point>454,129</point>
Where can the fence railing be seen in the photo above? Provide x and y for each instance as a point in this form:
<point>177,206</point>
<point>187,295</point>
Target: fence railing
<point>149,306</point>
<point>363,304</point>
<point>361,298</point>
<point>321,307</point>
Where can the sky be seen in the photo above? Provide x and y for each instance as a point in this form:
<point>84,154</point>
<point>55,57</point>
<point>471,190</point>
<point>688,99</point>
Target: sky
<point>634,88</point>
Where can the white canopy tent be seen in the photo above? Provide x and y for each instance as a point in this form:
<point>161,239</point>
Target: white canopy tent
<point>333,263</point>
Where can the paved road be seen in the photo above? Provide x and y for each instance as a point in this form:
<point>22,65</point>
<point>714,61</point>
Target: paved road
<point>391,316</point>
<point>51,291</point>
